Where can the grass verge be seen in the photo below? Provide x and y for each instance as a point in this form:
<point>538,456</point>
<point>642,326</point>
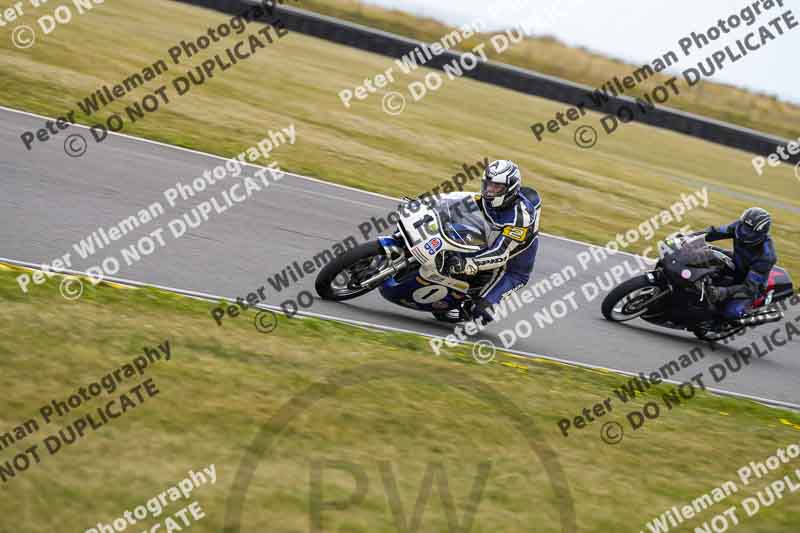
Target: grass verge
<point>406,415</point>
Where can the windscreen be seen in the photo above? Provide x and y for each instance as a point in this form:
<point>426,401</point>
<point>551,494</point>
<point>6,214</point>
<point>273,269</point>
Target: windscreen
<point>462,221</point>
<point>690,249</point>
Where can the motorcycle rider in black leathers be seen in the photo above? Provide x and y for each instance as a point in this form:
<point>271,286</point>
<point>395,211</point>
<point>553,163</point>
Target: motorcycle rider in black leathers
<point>753,255</point>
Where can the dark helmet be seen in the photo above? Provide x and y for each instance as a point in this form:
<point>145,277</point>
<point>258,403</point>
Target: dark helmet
<point>501,183</point>
<point>753,227</point>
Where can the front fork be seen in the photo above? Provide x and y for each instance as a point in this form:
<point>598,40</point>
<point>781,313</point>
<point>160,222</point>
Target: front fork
<point>396,259</point>
<point>657,277</point>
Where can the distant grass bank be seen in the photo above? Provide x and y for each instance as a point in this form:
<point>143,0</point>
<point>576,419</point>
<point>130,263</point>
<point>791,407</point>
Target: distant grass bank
<point>761,112</point>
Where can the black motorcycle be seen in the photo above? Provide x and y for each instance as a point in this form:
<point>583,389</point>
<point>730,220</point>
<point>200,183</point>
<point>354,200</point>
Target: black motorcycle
<point>674,293</point>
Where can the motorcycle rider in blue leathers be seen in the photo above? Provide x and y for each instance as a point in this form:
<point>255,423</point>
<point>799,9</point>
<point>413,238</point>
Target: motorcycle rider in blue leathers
<point>514,216</point>
<point>753,255</point>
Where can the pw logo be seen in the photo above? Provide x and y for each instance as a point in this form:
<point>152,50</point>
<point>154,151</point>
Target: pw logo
<point>435,474</point>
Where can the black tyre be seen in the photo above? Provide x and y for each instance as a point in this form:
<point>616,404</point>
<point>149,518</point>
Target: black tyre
<point>620,304</point>
<point>339,279</point>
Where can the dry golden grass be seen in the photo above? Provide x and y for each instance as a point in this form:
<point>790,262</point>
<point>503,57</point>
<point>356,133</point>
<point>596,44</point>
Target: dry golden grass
<point>404,407</point>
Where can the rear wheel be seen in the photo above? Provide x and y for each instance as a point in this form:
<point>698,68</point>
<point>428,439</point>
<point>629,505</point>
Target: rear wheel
<point>341,279</point>
<point>630,299</point>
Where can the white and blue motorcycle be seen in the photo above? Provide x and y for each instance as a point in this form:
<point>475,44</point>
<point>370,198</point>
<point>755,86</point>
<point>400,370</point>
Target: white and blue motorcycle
<point>408,267</point>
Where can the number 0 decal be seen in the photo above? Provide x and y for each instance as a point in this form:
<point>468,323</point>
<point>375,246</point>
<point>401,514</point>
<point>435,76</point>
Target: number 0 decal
<point>430,294</point>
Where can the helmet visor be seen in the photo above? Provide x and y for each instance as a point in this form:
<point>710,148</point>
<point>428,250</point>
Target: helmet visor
<point>748,234</point>
<point>492,189</point>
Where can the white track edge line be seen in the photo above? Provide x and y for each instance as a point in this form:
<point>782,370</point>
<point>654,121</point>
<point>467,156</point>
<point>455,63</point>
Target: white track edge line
<point>214,298</point>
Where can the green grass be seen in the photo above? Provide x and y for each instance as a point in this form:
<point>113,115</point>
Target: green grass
<point>399,405</point>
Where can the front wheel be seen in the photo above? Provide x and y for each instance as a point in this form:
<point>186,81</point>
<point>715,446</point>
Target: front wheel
<point>630,299</point>
<point>341,279</point>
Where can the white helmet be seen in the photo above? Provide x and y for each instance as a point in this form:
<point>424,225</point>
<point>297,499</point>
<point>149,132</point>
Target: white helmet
<point>501,183</point>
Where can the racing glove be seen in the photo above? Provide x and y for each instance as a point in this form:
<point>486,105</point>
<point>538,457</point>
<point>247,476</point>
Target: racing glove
<point>717,294</point>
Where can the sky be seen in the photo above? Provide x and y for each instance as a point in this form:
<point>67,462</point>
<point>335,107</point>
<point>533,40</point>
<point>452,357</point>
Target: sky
<point>640,31</point>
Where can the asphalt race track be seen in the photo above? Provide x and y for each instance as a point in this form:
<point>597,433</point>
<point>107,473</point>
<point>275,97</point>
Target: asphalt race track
<point>48,201</point>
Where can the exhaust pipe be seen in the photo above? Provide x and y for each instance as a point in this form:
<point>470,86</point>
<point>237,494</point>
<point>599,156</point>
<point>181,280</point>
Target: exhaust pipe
<point>764,317</point>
